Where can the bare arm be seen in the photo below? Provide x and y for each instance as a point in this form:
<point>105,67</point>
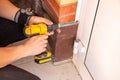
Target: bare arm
<point>7,9</point>
<point>9,54</point>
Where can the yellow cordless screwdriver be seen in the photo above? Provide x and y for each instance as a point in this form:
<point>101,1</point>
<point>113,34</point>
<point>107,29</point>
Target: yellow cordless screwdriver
<point>41,29</point>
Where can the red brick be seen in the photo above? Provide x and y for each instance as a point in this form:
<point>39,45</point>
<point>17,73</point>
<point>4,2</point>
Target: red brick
<point>63,9</point>
<point>67,19</point>
<point>61,14</point>
<point>64,19</point>
<point>67,9</point>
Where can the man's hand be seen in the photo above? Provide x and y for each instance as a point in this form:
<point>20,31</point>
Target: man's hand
<point>35,45</point>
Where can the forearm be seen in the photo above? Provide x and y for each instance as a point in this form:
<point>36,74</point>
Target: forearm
<point>10,54</point>
<point>7,9</point>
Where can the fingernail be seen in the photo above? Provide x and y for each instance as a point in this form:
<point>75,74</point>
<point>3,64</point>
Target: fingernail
<point>51,23</point>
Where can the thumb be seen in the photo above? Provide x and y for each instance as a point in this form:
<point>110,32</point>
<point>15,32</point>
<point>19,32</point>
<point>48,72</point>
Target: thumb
<point>37,20</point>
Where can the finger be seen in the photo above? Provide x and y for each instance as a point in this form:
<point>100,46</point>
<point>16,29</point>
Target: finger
<point>37,20</point>
<point>43,50</point>
<point>45,45</point>
<point>51,33</point>
<point>58,30</point>
<point>42,37</point>
<point>44,41</point>
<point>39,38</point>
<point>46,21</point>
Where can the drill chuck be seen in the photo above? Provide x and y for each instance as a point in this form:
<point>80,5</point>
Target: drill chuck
<point>52,27</point>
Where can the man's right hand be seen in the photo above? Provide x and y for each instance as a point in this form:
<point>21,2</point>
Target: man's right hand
<point>35,45</point>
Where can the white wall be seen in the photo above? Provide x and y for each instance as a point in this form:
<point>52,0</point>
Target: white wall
<point>86,15</point>
<point>103,56</point>
<point>103,59</point>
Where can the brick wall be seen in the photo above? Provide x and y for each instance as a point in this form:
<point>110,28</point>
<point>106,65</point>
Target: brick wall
<point>63,11</point>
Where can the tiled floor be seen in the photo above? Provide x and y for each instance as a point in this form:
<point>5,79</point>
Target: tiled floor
<point>49,71</point>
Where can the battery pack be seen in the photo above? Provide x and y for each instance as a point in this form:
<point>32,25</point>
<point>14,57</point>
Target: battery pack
<point>43,57</point>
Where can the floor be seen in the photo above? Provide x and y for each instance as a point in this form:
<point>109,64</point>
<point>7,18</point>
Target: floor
<point>49,71</point>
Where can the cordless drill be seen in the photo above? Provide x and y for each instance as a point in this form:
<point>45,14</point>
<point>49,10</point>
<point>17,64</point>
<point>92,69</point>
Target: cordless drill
<point>41,29</point>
